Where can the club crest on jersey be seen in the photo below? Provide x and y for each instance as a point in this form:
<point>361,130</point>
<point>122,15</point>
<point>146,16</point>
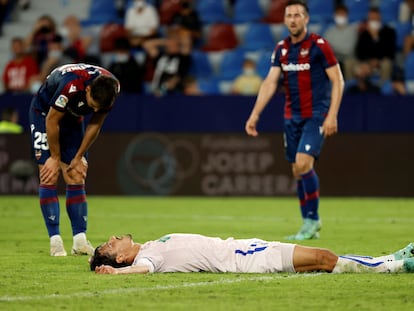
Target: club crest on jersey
<point>61,101</point>
<point>72,88</point>
<point>304,52</point>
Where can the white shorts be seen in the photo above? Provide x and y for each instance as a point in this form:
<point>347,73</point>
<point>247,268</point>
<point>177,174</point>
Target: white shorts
<point>275,257</point>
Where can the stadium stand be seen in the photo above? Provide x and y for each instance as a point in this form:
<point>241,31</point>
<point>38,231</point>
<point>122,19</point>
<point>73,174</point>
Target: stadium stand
<point>247,11</point>
<point>212,11</point>
<point>358,10</point>
<point>258,37</point>
<point>221,37</point>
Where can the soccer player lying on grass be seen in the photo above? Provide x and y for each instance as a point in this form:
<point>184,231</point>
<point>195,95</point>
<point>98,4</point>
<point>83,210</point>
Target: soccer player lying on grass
<point>197,253</point>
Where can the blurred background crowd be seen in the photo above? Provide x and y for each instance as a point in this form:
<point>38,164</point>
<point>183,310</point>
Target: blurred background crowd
<point>197,47</point>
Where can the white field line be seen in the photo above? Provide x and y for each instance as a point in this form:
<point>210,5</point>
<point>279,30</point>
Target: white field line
<point>118,291</point>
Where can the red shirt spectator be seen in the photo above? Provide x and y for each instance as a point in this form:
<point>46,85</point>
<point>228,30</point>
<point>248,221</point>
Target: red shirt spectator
<point>20,70</point>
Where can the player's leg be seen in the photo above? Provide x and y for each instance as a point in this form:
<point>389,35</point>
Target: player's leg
<point>310,259</point>
<point>76,204</point>
<point>308,149</point>
<point>48,197</point>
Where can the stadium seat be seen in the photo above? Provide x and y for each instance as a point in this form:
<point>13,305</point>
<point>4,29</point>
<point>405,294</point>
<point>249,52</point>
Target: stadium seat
<point>231,64</point>
<point>358,10</point>
<point>409,66</point>
<point>263,64</point>
<point>389,10</point>
<point>209,86</point>
<point>246,11</point>
<point>276,12</point>
<point>212,11</point>
<point>102,11</point>
<point>402,30</point>
<point>221,37</point>
<point>109,33</point>
<point>200,65</point>
<point>258,37</point>
<point>167,10</point>
<point>321,11</point>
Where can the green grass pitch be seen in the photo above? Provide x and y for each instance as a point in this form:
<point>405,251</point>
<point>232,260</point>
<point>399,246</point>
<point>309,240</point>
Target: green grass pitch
<point>32,280</point>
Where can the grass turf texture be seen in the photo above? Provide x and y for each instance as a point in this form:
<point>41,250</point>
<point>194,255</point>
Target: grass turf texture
<point>32,280</point>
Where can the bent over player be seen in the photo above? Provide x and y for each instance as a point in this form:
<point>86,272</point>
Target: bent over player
<point>60,143</point>
<point>314,86</point>
<point>198,253</point>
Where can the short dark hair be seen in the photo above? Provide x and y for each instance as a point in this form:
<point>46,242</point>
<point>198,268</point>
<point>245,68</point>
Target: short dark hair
<point>104,89</point>
<point>342,7</point>
<point>300,2</point>
<point>8,113</point>
<point>99,259</point>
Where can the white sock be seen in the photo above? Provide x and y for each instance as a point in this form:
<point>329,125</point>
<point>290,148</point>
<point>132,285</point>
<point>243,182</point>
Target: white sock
<point>352,263</point>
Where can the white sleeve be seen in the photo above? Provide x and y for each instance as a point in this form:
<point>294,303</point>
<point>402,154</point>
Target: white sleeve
<point>145,262</point>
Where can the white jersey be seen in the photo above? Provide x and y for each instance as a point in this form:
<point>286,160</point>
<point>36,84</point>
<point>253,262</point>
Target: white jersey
<point>197,253</point>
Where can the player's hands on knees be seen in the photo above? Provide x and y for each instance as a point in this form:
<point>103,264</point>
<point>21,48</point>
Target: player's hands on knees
<point>105,270</point>
<point>251,125</point>
<point>49,172</point>
<point>78,167</point>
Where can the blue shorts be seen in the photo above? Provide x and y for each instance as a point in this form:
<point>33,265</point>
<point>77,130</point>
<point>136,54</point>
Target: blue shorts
<point>303,136</point>
<point>70,138</point>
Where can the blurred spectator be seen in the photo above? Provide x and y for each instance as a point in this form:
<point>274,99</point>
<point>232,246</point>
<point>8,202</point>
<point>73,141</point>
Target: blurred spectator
<point>172,63</point>
<point>248,83</point>
<point>20,70</point>
<point>38,39</point>
<point>407,17</point>
<point>76,42</point>
<point>363,82</point>
<point>124,66</point>
<point>377,45</point>
<point>343,37</point>
<point>141,22</point>
<point>10,121</point>
<point>397,84</point>
<point>191,87</point>
<point>55,57</point>
<point>187,23</point>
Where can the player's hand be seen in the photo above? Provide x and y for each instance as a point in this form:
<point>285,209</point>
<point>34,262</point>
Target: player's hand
<point>105,270</point>
<point>330,126</point>
<point>49,173</point>
<point>251,125</point>
<point>80,166</point>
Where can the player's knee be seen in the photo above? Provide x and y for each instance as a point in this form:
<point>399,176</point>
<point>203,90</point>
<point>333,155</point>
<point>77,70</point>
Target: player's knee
<point>325,259</point>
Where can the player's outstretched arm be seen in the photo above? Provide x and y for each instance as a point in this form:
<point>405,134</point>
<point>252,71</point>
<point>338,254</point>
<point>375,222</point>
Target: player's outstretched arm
<point>137,269</point>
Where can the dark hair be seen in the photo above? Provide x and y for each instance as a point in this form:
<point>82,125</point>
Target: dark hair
<point>104,89</point>
<point>300,2</point>
<point>99,259</point>
<point>342,7</point>
<point>7,113</point>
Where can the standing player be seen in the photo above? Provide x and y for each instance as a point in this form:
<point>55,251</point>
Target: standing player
<point>314,87</point>
<point>60,142</point>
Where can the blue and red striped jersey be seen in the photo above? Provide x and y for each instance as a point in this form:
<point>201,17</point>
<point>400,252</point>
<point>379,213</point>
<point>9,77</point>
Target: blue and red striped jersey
<point>64,89</point>
<point>306,83</point>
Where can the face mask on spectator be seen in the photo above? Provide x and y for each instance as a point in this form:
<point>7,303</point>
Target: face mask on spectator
<point>341,20</point>
<point>374,25</point>
<point>55,54</point>
<point>249,71</point>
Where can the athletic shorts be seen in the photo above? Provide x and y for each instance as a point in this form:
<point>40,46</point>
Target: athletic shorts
<point>70,137</point>
<point>303,136</point>
<point>268,257</point>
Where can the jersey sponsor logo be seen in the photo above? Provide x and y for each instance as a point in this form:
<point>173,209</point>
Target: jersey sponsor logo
<point>72,88</point>
<point>296,67</point>
<point>61,101</point>
<point>304,52</point>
